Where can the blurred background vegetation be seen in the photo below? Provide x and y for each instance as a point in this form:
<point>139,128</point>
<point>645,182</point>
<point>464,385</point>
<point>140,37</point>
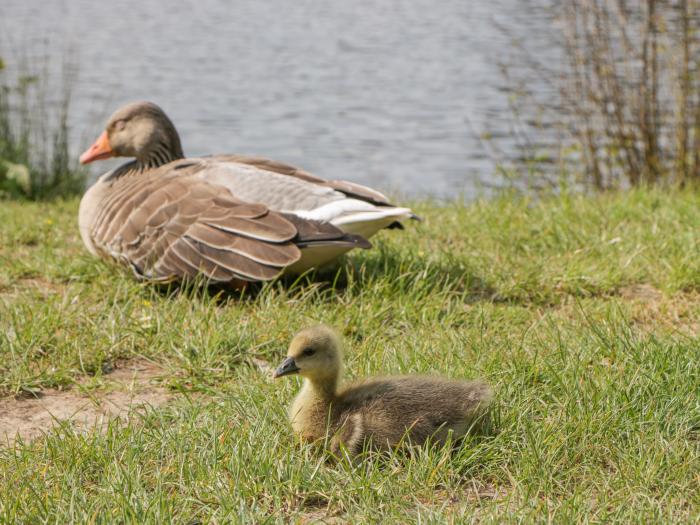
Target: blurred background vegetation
<point>633,89</point>
<point>35,162</point>
<point>628,95</point>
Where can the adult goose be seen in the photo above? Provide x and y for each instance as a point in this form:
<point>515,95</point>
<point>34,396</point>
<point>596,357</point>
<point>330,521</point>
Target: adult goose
<point>232,219</point>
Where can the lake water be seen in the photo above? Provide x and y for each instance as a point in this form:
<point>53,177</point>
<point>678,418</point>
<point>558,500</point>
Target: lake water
<point>391,93</point>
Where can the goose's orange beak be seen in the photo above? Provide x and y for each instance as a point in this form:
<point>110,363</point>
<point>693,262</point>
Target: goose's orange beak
<point>98,151</point>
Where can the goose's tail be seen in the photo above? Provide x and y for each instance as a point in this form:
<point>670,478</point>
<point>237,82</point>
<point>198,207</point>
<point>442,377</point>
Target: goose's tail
<point>369,221</point>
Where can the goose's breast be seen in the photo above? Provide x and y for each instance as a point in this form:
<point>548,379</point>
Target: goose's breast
<point>89,207</point>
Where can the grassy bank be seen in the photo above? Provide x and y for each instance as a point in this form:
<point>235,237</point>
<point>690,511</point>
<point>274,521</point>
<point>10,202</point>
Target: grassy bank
<point>583,312</point>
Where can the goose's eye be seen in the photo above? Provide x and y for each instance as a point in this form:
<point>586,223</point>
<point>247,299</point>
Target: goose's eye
<point>308,352</point>
<point>119,125</point>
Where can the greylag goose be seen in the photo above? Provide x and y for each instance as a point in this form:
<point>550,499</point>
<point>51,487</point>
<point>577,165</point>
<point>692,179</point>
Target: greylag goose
<point>380,413</point>
<point>233,219</point>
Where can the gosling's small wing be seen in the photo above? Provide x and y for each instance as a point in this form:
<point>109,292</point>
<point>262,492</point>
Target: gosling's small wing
<point>169,224</point>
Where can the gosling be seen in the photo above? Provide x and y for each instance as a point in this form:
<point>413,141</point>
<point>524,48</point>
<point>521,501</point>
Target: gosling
<point>379,413</point>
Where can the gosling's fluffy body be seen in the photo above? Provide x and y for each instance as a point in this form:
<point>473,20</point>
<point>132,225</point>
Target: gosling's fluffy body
<point>381,412</point>
<point>389,411</point>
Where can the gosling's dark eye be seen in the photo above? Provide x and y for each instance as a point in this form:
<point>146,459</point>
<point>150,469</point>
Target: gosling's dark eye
<point>119,125</point>
<point>308,352</point>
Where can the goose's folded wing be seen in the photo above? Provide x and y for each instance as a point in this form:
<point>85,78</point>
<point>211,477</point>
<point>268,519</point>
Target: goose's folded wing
<point>287,191</point>
<point>180,227</point>
<point>349,189</point>
<point>175,226</point>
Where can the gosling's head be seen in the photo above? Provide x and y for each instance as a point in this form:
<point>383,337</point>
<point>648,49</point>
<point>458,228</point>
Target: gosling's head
<point>141,130</point>
<point>314,353</point>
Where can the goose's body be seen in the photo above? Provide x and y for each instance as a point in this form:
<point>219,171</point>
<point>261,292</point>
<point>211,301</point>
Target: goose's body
<point>383,412</point>
<point>231,218</point>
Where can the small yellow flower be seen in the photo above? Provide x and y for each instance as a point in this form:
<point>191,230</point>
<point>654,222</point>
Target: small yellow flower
<point>49,222</point>
<point>147,304</point>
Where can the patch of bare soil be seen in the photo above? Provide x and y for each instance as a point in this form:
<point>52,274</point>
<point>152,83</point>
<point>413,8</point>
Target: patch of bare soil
<point>650,309</point>
<point>470,498</point>
<point>20,286</point>
<point>127,389</point>
<point>472,494</point>
<point>641,292</point>
<point>321,517</point>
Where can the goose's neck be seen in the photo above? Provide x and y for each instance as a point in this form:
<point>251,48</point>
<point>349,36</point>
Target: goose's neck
<point>159,155</point>
<point>155,158</point>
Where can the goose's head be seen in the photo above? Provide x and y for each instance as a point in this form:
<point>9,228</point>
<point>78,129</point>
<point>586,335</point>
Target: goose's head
<point>314,353</point>
<point>141,130</point>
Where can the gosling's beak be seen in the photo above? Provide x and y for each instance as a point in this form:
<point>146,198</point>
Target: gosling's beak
<point>101,149</point>
<point>287,367</point>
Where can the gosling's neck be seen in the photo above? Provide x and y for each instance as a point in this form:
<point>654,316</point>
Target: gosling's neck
<point>310,410</point>
<point>323,388</point>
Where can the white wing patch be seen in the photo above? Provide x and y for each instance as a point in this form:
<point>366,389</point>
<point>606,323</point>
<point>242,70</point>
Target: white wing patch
<point>355,216</point>
<point>333,210</point>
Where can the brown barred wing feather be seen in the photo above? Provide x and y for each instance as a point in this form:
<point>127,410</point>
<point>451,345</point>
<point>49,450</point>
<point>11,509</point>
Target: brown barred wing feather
<point>177,228</point>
